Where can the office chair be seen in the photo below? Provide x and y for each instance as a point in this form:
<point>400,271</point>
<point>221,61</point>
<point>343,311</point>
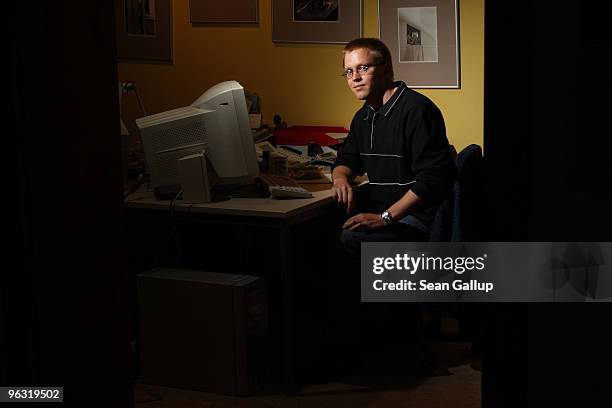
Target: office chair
<point>441,227</point>
<point>468,226</point>
<point>459,217</point>
<point>469,196</point>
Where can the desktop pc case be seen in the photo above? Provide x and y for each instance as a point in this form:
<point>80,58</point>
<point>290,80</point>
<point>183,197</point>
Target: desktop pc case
<point>203,331</point>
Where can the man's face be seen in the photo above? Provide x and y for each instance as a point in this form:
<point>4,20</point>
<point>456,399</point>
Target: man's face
<point>367,85</point>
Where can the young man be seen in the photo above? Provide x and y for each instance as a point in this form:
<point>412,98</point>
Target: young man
<point>398,138</point>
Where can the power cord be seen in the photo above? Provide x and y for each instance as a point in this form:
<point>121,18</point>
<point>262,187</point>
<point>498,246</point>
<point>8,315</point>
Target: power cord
<point>130,86</point>
<point>141,180</point>
<point>172,206</point>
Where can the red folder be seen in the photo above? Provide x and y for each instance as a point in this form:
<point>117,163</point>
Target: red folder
<point>302,135</point>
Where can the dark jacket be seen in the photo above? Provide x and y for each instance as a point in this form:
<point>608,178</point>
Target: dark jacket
<point>401,146</point>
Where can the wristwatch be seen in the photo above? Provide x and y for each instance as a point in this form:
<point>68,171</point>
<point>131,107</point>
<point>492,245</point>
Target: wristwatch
<point>387,217</point>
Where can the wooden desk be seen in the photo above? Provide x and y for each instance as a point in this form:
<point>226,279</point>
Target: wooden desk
<point>282,215</point>
<point>289,210</point>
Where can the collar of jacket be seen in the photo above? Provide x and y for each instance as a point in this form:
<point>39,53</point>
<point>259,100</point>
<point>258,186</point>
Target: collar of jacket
<point>387,107</point>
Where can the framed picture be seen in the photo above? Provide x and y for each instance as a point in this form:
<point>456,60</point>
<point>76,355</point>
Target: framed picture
<point>316,21</point>
<point>423,37</point>
<point>223,11</point>
<point>144,30</point>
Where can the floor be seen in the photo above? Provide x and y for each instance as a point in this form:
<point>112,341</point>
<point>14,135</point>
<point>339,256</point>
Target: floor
<point>386,378</point>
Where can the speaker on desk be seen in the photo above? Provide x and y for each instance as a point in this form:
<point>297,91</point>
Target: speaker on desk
<point>194,178</point>
<point>203,331</point>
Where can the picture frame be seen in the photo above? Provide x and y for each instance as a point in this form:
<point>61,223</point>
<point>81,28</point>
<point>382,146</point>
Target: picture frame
<point>144,30</point>
<point>224,12</point>
<point>423,37</point>
<point>316,21</point>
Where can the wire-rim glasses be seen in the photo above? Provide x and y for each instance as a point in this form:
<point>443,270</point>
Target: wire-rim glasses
<point>361,70</point>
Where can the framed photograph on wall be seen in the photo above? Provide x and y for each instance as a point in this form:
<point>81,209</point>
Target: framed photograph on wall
<point>144,30</point>
<point>316,21</point>
<point>423,37</point>
<point>223,11</point>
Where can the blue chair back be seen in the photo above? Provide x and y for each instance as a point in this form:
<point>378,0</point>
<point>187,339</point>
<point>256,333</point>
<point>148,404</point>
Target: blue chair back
<point>459,217</point>
<point>468,219</point>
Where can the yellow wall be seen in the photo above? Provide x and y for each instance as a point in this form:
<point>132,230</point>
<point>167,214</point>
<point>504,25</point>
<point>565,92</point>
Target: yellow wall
<point>300,82</point>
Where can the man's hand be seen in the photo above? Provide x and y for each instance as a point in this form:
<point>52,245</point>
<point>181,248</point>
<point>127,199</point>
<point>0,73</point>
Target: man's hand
<point>342,193</point>
<point>364,221</point>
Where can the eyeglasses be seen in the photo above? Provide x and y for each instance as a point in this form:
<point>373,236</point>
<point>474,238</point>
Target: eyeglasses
<point>361,70</point>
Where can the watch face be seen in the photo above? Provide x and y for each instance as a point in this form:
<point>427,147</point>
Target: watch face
<point>386,216</point>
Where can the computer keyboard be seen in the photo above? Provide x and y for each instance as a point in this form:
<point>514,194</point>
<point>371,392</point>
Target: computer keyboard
<point>281,186</point>
<point>286,191</point>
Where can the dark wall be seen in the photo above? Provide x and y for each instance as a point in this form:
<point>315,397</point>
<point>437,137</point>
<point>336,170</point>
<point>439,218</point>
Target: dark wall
<point>548,152</point>
<point>64,315</point>
<point>571,183</point>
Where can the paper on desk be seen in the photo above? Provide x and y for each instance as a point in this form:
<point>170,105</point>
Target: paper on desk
<point>338,136</point>
<point>307,176</point>
<point>304,150</point>
<point>255,120</point>
<point>328,150</point>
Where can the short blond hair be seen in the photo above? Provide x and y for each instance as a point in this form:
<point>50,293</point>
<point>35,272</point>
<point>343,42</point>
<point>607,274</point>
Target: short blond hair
<point>379,50</point>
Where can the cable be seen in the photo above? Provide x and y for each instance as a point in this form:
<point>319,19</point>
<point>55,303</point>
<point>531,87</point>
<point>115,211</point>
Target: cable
<point>140,104</point>
<point>129,86</point>
<point>173,202</point>
<point>141,180</point>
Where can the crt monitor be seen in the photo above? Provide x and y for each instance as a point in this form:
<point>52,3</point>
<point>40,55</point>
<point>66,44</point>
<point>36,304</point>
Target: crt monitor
<point>216,123</point>
<point>231,151</point>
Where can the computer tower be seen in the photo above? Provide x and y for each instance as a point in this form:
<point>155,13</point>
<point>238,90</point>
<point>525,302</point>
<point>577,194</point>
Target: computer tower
<point>203,331</point>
